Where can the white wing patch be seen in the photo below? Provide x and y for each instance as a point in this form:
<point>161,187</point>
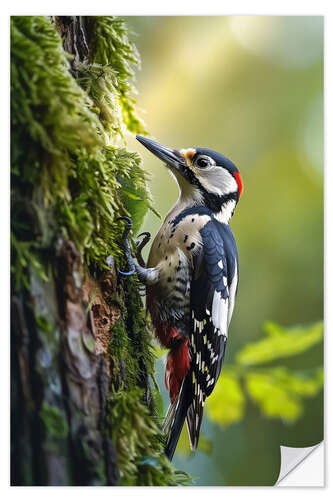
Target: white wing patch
<point>220,308</point>
<point>232,293</point>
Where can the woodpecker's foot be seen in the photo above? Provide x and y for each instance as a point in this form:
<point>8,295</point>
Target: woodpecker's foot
<point>147,276</point>
<point>140,245</point>
<point>126,246</point>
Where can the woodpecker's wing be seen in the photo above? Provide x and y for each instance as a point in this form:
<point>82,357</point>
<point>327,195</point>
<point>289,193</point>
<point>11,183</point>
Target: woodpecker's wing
<point>209,305</point>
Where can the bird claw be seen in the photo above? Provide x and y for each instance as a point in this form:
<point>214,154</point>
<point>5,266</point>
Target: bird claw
<point>143,243</point>
<point>128,255</point>
<point>126,273</point>
<point>140,245</point>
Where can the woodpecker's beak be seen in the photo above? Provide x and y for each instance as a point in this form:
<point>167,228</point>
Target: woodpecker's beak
<point>171,157</point>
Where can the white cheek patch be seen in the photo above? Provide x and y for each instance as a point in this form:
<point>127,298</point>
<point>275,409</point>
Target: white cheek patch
<point>217,180</point>
<point>226,213</point>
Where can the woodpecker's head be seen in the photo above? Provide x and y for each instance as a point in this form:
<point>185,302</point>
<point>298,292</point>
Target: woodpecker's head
<point>204,176</point>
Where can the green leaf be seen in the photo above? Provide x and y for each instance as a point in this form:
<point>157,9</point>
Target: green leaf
<point>273,400</point>
<point>280,343</point>
<point>227,402</point>
<point>279,393</point>
<point>136,202</point>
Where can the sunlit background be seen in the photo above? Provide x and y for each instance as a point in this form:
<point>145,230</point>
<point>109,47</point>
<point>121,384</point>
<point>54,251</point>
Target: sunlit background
<point>252,89</point>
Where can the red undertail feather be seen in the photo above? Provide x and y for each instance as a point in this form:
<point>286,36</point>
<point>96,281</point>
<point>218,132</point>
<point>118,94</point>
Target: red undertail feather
<point>177,367</point>
<point>178,362</point>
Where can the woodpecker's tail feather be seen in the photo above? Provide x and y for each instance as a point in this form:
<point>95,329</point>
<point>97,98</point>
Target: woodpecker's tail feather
<point>169,417</point>
<point>176,415</point>
<point>193,423</point>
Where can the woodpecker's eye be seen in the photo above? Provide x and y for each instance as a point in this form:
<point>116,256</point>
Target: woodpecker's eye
<point>203,161</point>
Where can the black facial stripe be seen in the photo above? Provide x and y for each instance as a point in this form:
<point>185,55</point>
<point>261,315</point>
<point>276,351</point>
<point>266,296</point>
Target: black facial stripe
<point>213,201</point>
<point>189,175</point>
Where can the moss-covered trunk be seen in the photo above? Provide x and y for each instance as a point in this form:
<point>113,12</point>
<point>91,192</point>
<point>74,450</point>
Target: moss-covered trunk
<point>83,411</point>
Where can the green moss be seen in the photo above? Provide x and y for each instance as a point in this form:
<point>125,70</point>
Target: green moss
<point>61,133</point>
<point>111,47</point>
<point>97,199</point>
<point>130,347</point>
<point>53,420</point>
<point>48,106</point>
<point>139,443</point>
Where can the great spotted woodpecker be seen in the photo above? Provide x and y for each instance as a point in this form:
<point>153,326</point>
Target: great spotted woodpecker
<point>191,280</point>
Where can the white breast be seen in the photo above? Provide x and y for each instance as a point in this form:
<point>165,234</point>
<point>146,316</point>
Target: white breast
<point>185,236</point>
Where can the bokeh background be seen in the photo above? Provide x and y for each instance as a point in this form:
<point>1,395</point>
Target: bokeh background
<point>251,88</point>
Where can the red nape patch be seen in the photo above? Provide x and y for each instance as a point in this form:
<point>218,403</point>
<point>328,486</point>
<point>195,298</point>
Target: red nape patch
<point>177,367</point>
<point>239,183</point>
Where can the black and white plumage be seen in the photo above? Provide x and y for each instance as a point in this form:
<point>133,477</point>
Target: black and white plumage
<point>192,279</point>
<point>213,291</point>
<point>213,288</point>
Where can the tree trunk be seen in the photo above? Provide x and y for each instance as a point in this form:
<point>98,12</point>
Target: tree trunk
<point>60,381</point>
<point>82,409</point>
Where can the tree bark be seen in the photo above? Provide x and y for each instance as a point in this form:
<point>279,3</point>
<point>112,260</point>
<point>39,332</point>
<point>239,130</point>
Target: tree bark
<point>60,369</point>
<point>60,380</point>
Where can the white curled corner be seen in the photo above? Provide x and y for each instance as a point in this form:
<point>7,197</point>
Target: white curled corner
<point>291,458</point>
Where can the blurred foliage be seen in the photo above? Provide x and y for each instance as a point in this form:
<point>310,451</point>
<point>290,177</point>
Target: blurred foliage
<point>250,87</point>
<point>227,403</point>
<point>280,343</point>
<point>278,391</point>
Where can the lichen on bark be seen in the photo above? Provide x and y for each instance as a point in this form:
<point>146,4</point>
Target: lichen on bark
<point>81,354</point>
